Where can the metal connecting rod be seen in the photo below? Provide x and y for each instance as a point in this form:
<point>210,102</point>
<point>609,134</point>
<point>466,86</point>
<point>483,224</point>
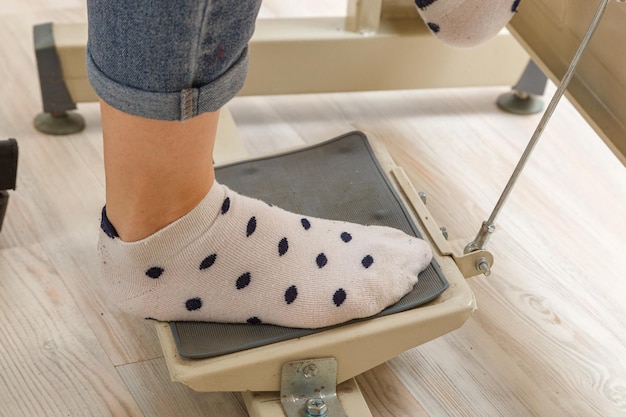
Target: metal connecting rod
<point>488,227</point>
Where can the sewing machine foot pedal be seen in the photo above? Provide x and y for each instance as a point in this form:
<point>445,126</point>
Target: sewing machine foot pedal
<point>338,179</point>
<point>351,178</point>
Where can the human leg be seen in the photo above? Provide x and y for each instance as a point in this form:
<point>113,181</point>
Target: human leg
<point>176,245</point>
<point>154,63</point>
<point>151,183</point>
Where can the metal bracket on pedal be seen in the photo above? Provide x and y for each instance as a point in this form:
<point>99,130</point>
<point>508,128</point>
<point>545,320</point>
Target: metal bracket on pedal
<point>469,264</point>
<point>308,388</point>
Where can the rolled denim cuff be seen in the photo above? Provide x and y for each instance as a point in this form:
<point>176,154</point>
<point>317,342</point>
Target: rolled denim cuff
<point>181,105</point>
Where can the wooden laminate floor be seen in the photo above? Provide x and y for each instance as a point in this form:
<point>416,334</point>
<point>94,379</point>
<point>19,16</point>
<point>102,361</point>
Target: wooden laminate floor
<point>548,339</point>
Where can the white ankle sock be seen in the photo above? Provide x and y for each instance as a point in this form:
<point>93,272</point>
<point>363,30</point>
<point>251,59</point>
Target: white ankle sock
<point>466,23</point>
<point>236,259</point>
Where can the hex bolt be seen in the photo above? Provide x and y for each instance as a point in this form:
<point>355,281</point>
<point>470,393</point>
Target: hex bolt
<point>316,407</point>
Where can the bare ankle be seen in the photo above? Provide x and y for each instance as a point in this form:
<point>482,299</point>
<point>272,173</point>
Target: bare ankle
<point>156,171</point>
<point>136,220</point>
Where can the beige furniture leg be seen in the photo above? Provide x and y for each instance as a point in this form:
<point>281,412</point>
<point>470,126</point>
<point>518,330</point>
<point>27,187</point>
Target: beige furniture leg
<point>289,56</point>
<point>364,16</point>
<point>320,55</point>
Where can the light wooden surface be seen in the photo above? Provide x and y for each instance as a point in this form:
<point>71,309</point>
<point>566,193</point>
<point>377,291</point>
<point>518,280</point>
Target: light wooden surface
<point>549,338</point>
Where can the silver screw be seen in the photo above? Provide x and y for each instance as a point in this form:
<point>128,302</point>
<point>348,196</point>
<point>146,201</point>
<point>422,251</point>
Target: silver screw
<point>310,371</point>
<point>422,196</point>
<point>444,231</point>
<point>316,407</point>
<point>483,266</point>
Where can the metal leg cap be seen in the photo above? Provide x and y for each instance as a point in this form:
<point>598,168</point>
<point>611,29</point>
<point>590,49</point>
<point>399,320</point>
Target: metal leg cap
<point>59,124</point>
<point>514,102</point>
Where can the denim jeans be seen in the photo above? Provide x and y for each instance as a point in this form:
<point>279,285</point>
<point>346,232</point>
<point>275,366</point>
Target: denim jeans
<point>169,59</point>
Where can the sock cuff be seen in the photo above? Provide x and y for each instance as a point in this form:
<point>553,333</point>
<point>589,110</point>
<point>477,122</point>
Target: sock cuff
<point>174,237</point>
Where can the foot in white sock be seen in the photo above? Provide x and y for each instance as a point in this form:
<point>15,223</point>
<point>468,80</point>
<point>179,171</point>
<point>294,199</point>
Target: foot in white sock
<point>466,23</point>
<point>235,259</point>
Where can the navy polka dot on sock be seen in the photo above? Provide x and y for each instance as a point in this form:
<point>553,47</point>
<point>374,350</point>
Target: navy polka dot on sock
<point>367,261</point>
<point>106,225</point>
<point>226,205</point>
<point>283,246</point>
<point>422,4</point>
<point>339,297</point>
<point>193,304</point>
<point>254,320</point>
<point>434,27</point>
<point>306,224</point>
<point>244,280</point>
<point>208,261</point>
<point>251,226</point>
<point>321,260</point>
<point>515,6</point>
<point>291,294</point>
<point>155,272</point>
<point>346,237</point>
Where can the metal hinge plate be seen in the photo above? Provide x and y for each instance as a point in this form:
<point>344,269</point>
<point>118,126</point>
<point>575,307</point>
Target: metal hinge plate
<point>308,388</point>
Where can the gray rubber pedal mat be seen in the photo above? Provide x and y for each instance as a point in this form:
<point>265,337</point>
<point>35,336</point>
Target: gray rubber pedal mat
<point>338,179</point>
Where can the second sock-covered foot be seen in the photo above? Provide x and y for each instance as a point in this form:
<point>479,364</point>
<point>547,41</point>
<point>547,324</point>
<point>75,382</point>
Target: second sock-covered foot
<point>235,259</point>
<point>466,23</point>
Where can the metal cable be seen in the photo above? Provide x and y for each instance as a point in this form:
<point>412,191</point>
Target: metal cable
<point>488,226</point>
